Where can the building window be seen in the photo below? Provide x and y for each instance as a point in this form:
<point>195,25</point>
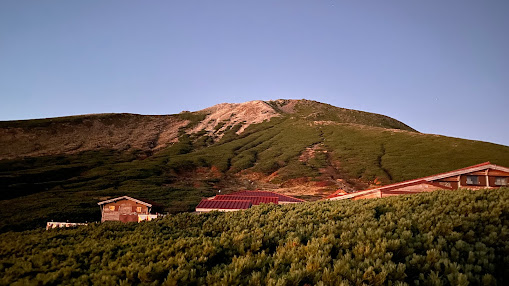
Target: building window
<point>501,181</point>
<point>138,209</point>
<point>112,208</point>
<point>473,180</point>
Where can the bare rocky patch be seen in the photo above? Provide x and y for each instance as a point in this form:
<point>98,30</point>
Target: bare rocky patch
<point>223,116</point>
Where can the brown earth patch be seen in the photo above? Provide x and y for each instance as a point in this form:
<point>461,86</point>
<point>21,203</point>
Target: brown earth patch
<point>89,132</point>
<point>309,153</point>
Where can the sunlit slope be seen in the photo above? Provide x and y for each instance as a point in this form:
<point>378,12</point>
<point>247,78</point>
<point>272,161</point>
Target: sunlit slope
<point>361,152</point>
<point>151,133</point>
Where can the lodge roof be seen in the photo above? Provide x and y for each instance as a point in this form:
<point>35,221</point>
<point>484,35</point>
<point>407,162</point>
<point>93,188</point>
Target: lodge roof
<point>424,180</point>
<point>224,204</point>
<point>409,184</point>
<point>125,198</point>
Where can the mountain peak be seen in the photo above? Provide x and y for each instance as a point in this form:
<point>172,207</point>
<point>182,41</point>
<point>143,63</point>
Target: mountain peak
<point>74,134</point>
<point>222,116</point>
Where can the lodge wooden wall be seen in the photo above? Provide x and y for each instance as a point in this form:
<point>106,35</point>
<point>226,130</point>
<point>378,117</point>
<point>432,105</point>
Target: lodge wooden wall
<point>123,210</point>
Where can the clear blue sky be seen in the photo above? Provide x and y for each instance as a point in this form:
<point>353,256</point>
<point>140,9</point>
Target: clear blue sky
<point>439,66</point>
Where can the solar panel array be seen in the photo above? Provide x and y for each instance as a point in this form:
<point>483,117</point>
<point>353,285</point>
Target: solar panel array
<point>281,198</point>
<point>244,200</point>
<point>254,200</point>
<point>224,204</point>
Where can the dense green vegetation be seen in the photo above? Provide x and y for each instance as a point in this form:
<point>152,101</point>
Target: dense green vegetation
<point>358,144</point>
<point>363,152</point>
<point>313,110</point>
<point>61,188</point>
<point>439,238</point>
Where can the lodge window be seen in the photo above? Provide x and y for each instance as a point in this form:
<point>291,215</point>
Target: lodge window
<point>112,208</point>
<point>473,180</point>
<point>138,209</point>
<point>501,181</point>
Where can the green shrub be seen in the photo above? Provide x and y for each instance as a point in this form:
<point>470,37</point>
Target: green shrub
<point>439,238</point>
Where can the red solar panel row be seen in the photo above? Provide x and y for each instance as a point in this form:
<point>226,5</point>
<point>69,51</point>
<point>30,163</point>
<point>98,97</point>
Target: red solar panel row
<point>281,198</point>
<point>254,200</point>
<point>243,200</point>
<point>224,204</point>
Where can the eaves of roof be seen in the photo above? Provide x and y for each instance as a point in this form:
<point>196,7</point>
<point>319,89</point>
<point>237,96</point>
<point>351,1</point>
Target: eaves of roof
<point>337,193</point>
<point>125,198</point>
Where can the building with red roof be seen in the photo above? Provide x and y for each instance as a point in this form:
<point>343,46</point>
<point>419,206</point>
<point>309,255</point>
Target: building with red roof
<point>243,200</point>
<point>485,175</point>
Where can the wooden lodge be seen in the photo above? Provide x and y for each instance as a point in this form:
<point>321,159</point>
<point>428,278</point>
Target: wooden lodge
<point>127,209</point>
<point>485,175</point>
<point>243,200</point>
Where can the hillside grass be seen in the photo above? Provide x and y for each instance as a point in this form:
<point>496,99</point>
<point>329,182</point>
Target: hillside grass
<point>68,188</point>
<point>56,122</point>
<point>439,238</point>
<point>369,152</point>
<point>316,111</point>
<point>363,152</point>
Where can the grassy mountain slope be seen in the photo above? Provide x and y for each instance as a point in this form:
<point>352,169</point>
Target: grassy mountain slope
<point>448,238</point>
<point>150,133</point>
<point>75,134</point>
<point>302,148</point>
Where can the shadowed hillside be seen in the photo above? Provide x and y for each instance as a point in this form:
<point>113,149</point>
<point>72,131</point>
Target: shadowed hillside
<point>60,168</point>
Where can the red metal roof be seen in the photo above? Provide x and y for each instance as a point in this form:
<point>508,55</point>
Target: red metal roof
<point>409,184</point>
<point>281,198</point>
<point>428,179</point>
<point>253,200</point>
<point>432,176</point>
<point>462,169</point>
<point>337,193</point>
<point>224,204</point>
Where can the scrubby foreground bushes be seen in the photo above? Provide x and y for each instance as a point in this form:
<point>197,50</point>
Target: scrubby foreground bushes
<point>449,238</point>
